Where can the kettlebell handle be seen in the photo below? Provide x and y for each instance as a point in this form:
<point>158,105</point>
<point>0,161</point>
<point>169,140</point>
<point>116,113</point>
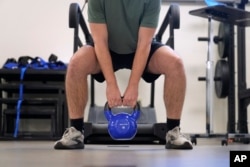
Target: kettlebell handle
<point>136,107</point>
<point>108,113</point>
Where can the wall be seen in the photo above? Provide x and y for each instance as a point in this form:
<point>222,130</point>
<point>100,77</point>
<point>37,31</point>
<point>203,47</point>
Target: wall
<point>39,28</point>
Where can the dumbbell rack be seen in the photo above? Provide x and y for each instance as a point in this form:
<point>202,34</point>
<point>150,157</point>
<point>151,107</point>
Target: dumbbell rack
<point>241,19</point>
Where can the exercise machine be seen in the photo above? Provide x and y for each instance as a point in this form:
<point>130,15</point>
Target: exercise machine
<point>230,16</point>
<point>96,126</point>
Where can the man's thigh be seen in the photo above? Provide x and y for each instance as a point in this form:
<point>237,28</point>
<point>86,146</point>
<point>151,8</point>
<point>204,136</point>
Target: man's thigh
<point>162,60</point>
<point>85,59</point>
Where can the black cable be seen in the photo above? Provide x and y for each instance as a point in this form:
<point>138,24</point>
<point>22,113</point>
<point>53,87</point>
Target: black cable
<point>86,1</point>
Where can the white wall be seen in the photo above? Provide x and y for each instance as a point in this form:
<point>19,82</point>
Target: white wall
<point>39,28</point>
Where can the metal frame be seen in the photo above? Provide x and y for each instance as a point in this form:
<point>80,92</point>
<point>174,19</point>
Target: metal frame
<point>243,96</point>
<point>201,1</point>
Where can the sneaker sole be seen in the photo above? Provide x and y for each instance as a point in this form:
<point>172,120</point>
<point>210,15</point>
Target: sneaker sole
<point>60,146</point>
<point>185,146</point>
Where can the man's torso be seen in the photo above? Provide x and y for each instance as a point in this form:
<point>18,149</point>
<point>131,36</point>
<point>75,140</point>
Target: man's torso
<point>123,19</point>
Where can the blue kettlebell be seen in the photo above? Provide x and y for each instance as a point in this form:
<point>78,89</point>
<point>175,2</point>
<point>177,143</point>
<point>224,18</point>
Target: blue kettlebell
<point>123,125</point>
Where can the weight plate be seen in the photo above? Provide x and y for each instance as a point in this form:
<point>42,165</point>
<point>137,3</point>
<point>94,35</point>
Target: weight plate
<point>224,37</point>
<point>221,78</point>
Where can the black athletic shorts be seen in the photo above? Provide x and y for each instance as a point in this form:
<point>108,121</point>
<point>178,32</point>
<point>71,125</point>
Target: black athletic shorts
<point>125,61</point>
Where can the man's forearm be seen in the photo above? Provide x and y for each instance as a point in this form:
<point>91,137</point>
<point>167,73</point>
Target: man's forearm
<point>105,62</point>
<point>100,36</point>
<point>142,52</point>
<point>139,64</point>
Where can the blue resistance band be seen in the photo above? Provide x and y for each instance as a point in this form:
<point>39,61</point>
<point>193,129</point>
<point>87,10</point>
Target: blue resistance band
<point>19,101</point>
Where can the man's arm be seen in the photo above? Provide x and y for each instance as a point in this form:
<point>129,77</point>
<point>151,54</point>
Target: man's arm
<point>100,36</point>
<point>141,56</point>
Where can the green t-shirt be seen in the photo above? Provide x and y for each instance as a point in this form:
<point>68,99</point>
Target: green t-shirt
<point>123,19</point>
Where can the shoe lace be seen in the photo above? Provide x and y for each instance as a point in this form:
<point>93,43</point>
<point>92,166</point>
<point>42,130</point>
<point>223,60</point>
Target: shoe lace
<point>67,132</point>
<point>185,136</point>
<point>176,133</point>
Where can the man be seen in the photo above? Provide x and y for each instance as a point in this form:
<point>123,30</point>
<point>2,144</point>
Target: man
<point>123,32</point>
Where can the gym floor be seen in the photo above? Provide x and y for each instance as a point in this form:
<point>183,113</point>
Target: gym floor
<point>208,152</point>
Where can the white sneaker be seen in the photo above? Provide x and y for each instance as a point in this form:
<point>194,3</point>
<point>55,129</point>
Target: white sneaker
<point>176,140</point>
<point>71,139</point>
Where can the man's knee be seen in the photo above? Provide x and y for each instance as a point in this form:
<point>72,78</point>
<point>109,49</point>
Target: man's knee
<point>84,60</point>
<point>179,63</point>
<point>165,60</point>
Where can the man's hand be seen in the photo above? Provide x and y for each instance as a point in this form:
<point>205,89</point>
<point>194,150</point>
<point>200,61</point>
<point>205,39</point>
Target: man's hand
<point>113,96</point>
<point>130,96</point>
